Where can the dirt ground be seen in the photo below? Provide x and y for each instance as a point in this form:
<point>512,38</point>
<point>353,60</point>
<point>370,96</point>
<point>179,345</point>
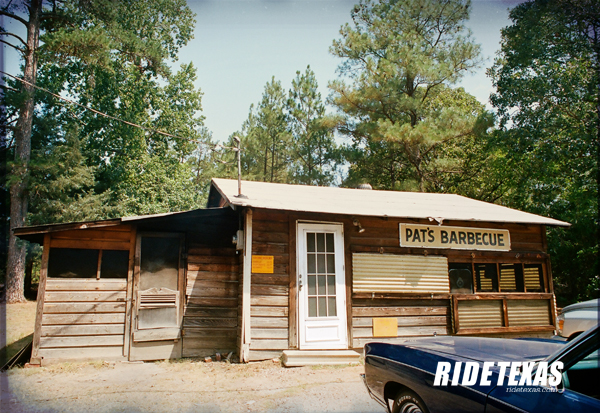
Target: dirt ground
<point>185,386</point>
<point>16,324</point>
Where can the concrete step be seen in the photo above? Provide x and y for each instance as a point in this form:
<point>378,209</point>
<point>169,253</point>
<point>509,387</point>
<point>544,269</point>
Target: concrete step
<point>297,358</point>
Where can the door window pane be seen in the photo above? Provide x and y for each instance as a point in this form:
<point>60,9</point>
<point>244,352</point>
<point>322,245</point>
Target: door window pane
<point>310,242</point>
<point>312,285</point>
<point>312,267</point>
<point>320,242</point>
<point>159,267</point>
<point>331,307</point>
<point>322,290</point>
<point>331,284</point>
<point>323,306</point>
<point>329,243</point>
<point>312,306</point>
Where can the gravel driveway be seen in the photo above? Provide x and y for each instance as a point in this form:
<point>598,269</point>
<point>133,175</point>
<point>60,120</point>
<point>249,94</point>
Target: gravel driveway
<point>185,386</point>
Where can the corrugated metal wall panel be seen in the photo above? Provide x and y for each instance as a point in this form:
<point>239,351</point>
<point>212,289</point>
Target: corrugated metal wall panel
<point>477,314</point>
<point>528,313</point>
<point>399,274</point>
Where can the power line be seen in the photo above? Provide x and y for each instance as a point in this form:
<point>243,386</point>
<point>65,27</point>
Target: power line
<point>105,114</point>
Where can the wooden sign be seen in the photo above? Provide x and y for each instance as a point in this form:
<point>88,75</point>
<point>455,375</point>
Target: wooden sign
<point>459,238</point>
<point>263,264</point>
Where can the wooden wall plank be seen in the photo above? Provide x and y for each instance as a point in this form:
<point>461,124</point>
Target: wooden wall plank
<point>210,312</point>
<point>82,330</point>
<point>404,321</point>
<point>269,289</point>
<point>269,333</point>
<point>81,341</point>
<point>192,276</point>
<point>105,318</point>
<point>261,322</point>
<point>89,244</point>
<point>94,353</point>
<point>93,234</point>
<point>271,344</point>
<point>213,302</point>
<point>192,332</point>
<point>258,355</point>
<point>62,308</point>
<point>265,300</point>
<point>77,296</point>
<point>398,311</point>
<point>269,311</point>
<point>209,322</point>
<point>86,284</point>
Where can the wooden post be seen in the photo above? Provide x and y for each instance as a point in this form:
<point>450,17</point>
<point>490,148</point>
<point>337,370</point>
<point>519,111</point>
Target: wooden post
<point>37,330</point>
<point>293,291</point>
<point>246,279</point>
<point>129,294</point>
<point>346,228</point>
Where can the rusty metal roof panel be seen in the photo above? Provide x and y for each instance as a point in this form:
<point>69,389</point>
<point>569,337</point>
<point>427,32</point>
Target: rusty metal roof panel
<point>360,202</point>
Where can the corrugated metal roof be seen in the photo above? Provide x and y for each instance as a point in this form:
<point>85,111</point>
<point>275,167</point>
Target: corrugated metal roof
<point>360,202</point>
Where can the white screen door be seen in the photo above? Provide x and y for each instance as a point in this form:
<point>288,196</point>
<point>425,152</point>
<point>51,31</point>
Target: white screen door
<point>321,287</point>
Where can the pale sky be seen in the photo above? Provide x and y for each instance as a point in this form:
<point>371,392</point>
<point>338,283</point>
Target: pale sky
<point>239,44</point>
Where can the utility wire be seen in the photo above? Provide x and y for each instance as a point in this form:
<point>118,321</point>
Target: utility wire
<point>105,114</point>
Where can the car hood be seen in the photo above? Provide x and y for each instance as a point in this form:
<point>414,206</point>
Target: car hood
<point>487,349</point>
<point>591,304</point>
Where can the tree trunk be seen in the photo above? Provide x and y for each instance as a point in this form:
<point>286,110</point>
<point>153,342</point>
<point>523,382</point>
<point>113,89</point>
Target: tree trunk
<point>18,196</point>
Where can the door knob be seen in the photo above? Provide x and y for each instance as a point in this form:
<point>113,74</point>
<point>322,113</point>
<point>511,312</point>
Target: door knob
<point>300,283</point>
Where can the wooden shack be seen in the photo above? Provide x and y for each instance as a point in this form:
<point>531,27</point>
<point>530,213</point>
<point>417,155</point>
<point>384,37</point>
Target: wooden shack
<point>312,273</point>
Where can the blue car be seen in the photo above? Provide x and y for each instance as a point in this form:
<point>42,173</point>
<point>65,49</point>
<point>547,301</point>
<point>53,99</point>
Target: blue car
<point>472,374</point>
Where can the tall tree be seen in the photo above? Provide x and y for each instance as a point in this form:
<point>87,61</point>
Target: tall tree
<point>33,10</point>
<point>266,137</point>
<point>314,152</point>
<point>89,41</point>
<point>396,55</point>
<point>547,84</point>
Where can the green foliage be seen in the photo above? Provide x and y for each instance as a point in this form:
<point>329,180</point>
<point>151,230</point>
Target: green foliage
<point>547,101</point>
<point>397,56</point>
<point>266,138</point>
<point>314,152</point>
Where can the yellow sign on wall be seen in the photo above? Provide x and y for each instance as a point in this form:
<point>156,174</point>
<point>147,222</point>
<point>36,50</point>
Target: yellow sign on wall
<point>460,238</point>
<point>263,264</point>
<point>385,327</point>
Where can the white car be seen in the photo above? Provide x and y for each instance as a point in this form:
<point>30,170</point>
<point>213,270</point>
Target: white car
<point>577,318</point>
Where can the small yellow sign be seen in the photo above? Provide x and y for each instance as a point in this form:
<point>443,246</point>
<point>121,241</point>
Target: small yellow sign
<point>263,264</point>
<point>385,327</point>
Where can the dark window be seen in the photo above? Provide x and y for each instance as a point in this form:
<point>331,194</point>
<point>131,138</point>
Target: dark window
<point>83,263</point>
<point>461,278</point>
<point>115,264</point>
<point>72,263</point>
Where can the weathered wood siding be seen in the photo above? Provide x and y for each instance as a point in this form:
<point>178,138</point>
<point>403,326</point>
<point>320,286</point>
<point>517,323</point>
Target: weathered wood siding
<point>210,318</point>
<point>415,318</point>
<point>270,292</point>
<point>383,235</point>
<point>83,318</point>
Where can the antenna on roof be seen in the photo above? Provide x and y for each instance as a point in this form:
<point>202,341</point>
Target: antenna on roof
<point>239,165</point>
